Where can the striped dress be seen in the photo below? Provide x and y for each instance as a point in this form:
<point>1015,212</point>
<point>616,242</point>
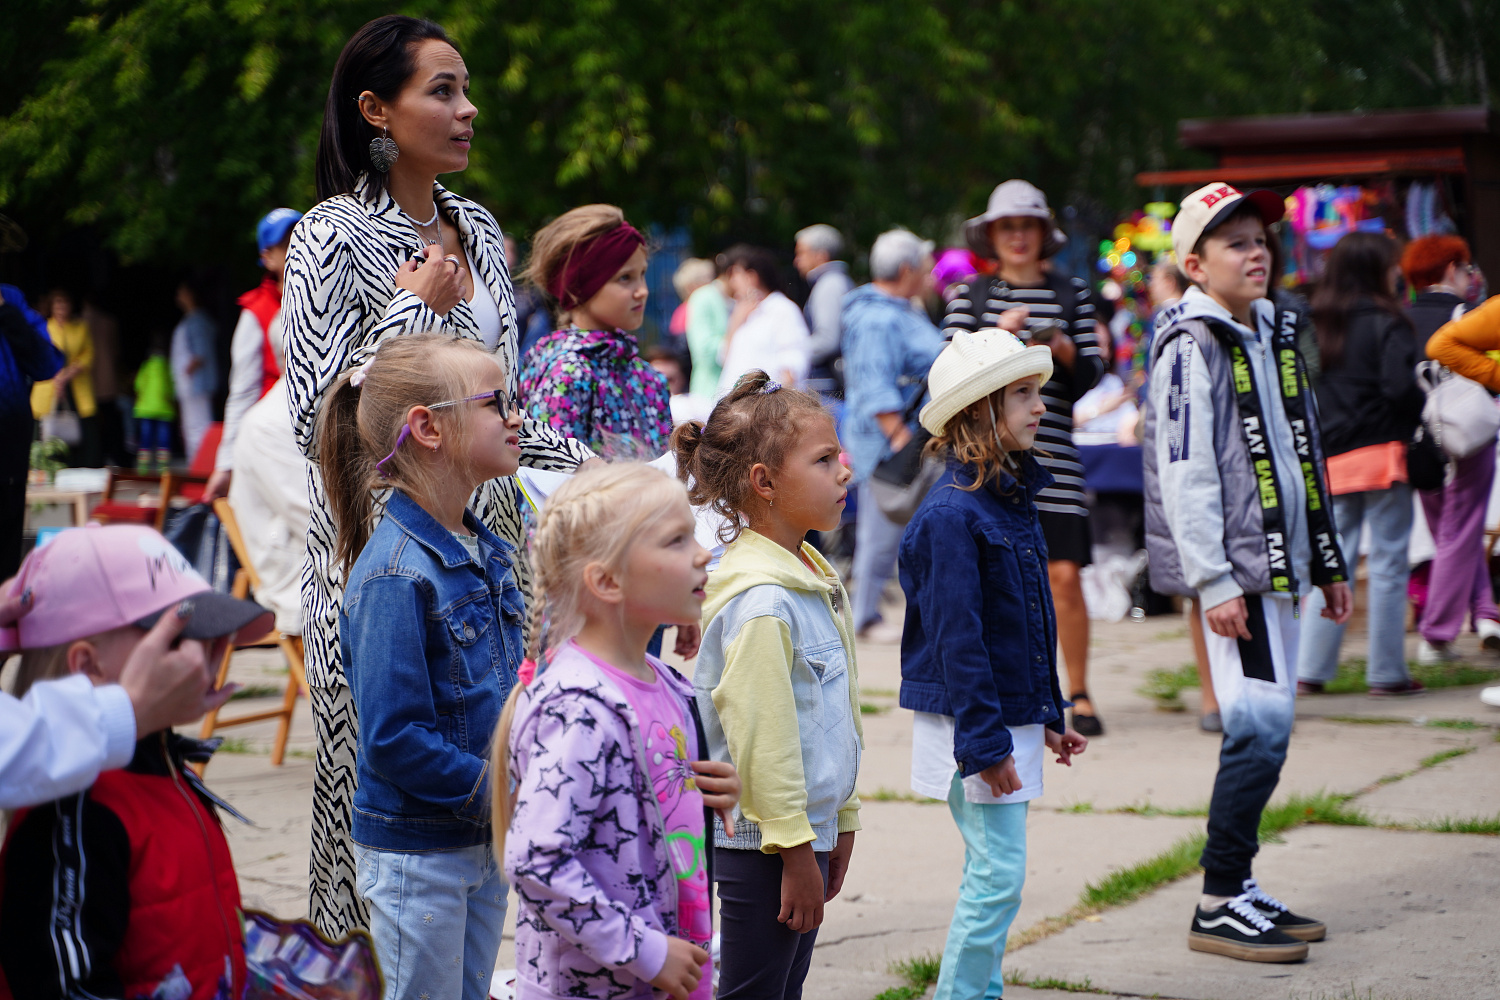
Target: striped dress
<point>977,304</point>
<point>340,302</point>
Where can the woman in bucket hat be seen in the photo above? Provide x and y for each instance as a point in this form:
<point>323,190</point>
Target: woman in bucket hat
<point>1024,297</point>
<point>979,662</point>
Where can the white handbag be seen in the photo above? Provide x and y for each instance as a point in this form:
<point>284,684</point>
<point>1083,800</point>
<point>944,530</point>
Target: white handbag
<point>62,423</point>
<point>1459,412</point>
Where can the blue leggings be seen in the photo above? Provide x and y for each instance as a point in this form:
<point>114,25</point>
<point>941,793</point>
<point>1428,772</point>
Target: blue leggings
<point>153,435</point>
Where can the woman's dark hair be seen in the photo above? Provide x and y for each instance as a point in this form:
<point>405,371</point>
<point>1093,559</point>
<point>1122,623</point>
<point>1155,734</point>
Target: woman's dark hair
<point>1358,269</point>
<point>380,58</point>
<point>758,260</point>
<point>757,423</point>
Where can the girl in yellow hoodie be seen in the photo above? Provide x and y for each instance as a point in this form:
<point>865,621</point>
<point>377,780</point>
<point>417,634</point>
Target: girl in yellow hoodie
<point>776,682</point>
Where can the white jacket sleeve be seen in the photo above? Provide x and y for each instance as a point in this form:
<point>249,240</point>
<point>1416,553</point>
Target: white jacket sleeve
<point>245,351</point>
<point>1191,490</point>
<point>57,740</point>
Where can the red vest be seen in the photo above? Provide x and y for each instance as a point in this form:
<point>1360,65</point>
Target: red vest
<point>264,301</point>
<point>184,905</point>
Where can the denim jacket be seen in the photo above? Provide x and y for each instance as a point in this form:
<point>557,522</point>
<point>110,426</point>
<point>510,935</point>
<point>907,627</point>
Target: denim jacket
<point>980,640</point>
<point>430,646</point>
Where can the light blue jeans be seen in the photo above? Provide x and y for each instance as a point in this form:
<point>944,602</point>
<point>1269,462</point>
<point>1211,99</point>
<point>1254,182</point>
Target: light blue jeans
<point>1389,513</point>
<point>436,920</point>
<point>877,541</point>
<point>994,871</point>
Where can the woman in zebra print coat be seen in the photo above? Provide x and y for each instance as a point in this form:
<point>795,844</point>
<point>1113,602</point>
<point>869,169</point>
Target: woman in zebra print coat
<point>350,283</point>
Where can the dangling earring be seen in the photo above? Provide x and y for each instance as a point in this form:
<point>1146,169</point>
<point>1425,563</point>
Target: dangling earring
<point>771,502</point>
<point>383,151</point>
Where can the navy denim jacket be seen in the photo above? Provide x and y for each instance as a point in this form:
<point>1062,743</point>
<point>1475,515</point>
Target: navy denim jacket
<point>431,645</point>
<point>980,642</point>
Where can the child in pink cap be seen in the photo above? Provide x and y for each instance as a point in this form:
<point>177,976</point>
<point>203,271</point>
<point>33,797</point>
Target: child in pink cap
<point>126,888</point>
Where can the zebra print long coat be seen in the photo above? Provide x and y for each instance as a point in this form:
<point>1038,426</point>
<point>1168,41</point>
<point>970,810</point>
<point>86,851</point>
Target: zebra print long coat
<point>339,302</point>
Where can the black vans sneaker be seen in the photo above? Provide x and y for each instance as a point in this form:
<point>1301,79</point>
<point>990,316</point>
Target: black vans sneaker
<point>1237,929</point>
<point>1274,910</point>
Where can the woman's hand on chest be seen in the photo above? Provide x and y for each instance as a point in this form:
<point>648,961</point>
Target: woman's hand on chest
<point>443,277</point>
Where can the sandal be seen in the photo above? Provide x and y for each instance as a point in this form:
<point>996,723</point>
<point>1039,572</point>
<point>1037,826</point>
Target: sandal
<point>1086,723</point>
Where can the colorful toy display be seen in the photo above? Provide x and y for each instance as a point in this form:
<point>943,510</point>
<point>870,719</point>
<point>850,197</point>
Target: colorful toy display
<point>1125,262</point>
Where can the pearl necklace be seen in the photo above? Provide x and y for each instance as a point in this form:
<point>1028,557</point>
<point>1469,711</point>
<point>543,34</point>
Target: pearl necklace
<point>419,226</point>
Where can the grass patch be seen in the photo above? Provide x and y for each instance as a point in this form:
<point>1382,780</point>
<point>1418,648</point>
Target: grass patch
<point>919,972</point>
<point>883,794</point>
<point>1486,825</point>
<point>867,708</point>
<point>1018,978</point>
<point>1369,720</point>
<point>1165,686</point>
<point>1330,810</point>
<point>1080,808</point>
<point>236,744</point>
<point>1444,755</point>
<point>1166,635</point>
<point>1129,884</point>
<point>1148,810</point>
<point>879,692</point>
<point>1464,724</point>
<point>258,691</point>
<point>1350,678</point>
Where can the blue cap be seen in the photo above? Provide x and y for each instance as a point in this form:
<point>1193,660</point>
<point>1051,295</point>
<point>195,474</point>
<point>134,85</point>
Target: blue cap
<point>274,227</point>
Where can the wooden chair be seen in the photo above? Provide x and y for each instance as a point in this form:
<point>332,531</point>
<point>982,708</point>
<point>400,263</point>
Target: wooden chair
<point>188,485</point>
<point>246,581</point>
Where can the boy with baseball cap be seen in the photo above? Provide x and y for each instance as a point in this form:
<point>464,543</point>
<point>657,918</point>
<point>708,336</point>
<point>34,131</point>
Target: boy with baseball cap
<point>126,888</point>
<point>1237,515</point>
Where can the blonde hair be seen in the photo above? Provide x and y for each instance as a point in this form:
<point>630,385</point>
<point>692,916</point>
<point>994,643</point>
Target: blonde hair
<point>592,518</point>
<point>359,425</point>
<point>691,275</point>
<point>553,246</point>
<point>973,436</point>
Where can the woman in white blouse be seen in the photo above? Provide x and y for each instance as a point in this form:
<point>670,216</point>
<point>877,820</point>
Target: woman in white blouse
<point>387,251</point>
<point>767,331</point>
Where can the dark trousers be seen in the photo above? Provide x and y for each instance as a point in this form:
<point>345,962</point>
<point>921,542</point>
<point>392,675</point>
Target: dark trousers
<point>760,958</point>
<point>12,522</point>
<point>1255,681</point>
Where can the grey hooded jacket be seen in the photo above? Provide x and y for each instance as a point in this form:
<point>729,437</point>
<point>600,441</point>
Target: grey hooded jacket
<point>1205,534</point>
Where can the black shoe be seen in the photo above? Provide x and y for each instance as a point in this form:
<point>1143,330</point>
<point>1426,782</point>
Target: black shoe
<point>1086,723</point>
<point>1274,910</point>
<point>1238,930</point>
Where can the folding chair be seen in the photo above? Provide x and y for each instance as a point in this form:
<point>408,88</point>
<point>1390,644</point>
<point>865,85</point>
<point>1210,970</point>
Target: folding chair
<point>188,485</point>
<point>246,580</point>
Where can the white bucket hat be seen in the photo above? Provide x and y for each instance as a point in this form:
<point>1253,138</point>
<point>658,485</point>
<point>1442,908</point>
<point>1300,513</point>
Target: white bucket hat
<point>974,365</point>
<point>1014,198</point>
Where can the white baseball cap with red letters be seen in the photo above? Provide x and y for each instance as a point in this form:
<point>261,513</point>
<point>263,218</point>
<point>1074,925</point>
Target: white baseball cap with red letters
<point>1210,205</point>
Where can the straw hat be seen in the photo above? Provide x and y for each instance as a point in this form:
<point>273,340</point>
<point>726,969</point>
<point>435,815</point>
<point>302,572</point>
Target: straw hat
<point>1014,198</point>
<point>974,365</point>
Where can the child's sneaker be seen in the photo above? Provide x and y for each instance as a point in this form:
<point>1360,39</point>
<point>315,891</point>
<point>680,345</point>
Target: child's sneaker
<point>1432,654</point>
<point>1237,929</point>
<point>1489,634</point>
<point>1301,928</point>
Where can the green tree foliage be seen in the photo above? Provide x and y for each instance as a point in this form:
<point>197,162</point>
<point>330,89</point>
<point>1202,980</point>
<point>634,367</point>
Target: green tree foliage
<point>173,124</point>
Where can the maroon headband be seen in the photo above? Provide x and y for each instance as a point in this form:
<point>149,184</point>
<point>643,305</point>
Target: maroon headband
<point>592,264</point>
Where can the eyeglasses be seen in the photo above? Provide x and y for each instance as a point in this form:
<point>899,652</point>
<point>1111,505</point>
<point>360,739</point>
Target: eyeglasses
<point>504,402</point>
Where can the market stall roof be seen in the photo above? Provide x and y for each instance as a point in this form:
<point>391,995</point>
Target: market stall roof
<point>1284,148</point>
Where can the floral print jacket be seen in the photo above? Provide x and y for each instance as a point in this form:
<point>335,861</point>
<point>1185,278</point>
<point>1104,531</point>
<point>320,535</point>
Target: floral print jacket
<point>592,385</point>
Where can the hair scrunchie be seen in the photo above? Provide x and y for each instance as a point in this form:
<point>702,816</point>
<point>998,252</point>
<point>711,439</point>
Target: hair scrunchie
<point>590,266</point>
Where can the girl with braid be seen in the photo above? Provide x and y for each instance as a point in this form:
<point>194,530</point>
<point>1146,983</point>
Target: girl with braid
<point>430,638</point>
<point>607,829</point>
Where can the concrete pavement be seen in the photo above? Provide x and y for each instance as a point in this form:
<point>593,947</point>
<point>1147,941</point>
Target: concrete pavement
<point>1401,905</point>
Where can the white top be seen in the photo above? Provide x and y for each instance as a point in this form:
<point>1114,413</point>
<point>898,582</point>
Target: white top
<point>773,338</point>
<point>933,766</point>
<point>486,315</point>
<point>57,740</point>
<point>245,351</point>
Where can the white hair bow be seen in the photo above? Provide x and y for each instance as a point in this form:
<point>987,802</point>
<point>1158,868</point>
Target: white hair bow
<point>362,372</point>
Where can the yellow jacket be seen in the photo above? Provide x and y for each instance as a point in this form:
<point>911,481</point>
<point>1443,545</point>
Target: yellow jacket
<point>78,348</point>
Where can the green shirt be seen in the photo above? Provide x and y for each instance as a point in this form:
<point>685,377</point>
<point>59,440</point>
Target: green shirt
<point>707,323</point>
<point>154,395</point>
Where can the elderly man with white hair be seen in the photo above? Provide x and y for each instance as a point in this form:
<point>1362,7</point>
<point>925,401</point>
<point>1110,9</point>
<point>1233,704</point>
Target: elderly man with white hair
<point>816,259</point>
<point>889,344</point>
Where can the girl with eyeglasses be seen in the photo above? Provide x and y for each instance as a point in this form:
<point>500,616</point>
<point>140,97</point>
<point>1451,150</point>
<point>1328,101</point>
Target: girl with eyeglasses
<point>430,637</point>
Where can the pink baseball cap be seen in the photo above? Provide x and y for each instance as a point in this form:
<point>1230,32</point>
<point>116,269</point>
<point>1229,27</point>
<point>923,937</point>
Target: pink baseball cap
<point>93,579</point>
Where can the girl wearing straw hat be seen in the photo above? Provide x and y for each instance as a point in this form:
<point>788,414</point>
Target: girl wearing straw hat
<point>979,663</point>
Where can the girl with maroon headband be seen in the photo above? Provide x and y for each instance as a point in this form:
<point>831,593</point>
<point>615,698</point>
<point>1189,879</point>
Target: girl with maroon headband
<point>587,379</point>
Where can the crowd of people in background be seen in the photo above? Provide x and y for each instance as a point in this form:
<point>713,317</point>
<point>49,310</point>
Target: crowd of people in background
<point>401,358</point>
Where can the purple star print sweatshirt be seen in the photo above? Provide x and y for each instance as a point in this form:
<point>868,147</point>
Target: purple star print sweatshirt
<point>586,851</point>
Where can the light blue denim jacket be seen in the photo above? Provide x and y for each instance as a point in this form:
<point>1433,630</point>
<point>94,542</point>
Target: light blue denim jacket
<point>778,691</point>
<point>431,642</point>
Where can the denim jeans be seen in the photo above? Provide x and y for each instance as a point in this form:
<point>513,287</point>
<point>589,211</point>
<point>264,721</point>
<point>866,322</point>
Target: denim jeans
<point>1255,683</point>
<point>988,898</point>
<point>1389,514</point>
<point>436,919</point>
<point>1460,582</point>
<point>877,539</point>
